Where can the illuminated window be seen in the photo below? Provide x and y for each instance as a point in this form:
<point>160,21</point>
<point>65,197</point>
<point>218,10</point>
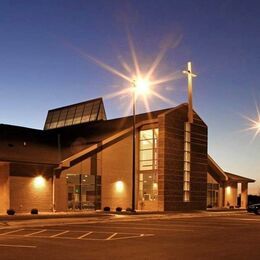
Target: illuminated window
<point>212,194</point>
<point>148,165</point>
<point>84,191</point>
<point>187,166</point>
<point>148,149</point>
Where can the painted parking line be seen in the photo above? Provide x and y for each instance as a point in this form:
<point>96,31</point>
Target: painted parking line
<point>246,219</point>
<point>85,235</point>
<point>35,233</point>
<point>110,237</point>
<point>17,246</point>
<point>129,237</point>
<point>11,232</point>
<point>59,234</point>
<point>72,234</point>
<point>123,226</point>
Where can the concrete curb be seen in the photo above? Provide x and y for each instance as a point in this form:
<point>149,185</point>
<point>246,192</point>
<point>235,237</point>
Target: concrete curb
<point>111,218</point>
<point>18,217</point>
<point>6,218</point>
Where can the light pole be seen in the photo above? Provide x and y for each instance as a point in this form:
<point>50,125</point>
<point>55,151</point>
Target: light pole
<point>140,87</point>
<point>133,143</point>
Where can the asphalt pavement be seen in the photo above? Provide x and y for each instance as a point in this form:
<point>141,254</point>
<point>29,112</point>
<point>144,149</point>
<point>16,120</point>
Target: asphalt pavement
<point>165,236</point>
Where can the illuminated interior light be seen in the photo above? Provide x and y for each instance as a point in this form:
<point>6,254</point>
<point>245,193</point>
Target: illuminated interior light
<point>39,182</point>
<point>119,186</point>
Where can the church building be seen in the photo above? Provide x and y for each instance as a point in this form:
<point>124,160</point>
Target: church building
<point>83,161</point>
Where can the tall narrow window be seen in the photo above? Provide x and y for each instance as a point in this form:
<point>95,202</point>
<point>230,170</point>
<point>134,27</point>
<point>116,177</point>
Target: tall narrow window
<point>148,154</point>
<point>187,166</point>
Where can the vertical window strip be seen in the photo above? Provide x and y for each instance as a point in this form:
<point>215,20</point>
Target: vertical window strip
<point>187,160</point>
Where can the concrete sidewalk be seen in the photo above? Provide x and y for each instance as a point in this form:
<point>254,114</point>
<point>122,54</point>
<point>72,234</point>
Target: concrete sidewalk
<point>63,218</point>
<point>48,215</point>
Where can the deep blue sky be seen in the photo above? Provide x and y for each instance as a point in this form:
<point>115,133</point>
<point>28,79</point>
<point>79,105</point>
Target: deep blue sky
<point>39,69</point>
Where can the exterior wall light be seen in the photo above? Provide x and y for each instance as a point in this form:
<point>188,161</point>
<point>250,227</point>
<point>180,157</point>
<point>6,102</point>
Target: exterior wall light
<point>228,190</point>
<point>119,186</point>
<point>39,182</point>
<point>155,186</point>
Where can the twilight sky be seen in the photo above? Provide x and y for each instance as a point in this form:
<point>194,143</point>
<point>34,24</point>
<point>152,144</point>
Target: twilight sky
<point>43,63</point>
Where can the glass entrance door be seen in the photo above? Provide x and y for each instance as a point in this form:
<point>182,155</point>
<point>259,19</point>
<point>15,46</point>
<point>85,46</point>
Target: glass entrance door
<point>83,191</point>
<point>73,197</point>
<point>212,195</point>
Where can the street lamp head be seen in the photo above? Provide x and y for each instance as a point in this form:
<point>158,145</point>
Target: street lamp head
<point>142,86</point>
<point>254,123</point>
<point>257,126</point>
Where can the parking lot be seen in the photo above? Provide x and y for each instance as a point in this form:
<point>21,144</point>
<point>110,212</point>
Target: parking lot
<point>69,234</point>
<point>235,236</point>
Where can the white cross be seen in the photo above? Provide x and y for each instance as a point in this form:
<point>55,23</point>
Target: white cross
<point>190,75</point>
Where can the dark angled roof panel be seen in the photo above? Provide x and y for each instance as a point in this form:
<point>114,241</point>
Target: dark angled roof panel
<point>91,110</point>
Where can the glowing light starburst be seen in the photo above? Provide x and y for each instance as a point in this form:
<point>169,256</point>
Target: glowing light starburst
<point>144,82</point>
<point>254,124</point>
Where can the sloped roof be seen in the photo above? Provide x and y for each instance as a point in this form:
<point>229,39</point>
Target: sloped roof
<point>21,144</point>
<point>238,178</point>
<point>78,137</point>
<point>217,172</point>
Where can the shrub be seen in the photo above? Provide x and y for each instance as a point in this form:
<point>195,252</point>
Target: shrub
<point>118,209</point>
<point>106,208</point>
<point>128,209</point>
<point>34,211</point>
<point>10,212</point>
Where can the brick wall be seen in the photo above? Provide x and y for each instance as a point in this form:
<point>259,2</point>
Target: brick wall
<point>4,187</point>
<point>171,161</point>
<point>116,161</point>
<point>61,193</point>
<point>25,195</point>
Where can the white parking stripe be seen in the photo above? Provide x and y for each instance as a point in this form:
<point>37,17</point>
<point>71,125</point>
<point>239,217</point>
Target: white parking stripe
<point>147,228</point>
<point>111,236</point>
<point>37,232</point>
<point>61,233</point>
<point>130,237</point>
<point>58,234</point>
<point>84,235</point>
<point>247,219</point>
<point>20,246</point>
<point>10,232</point>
